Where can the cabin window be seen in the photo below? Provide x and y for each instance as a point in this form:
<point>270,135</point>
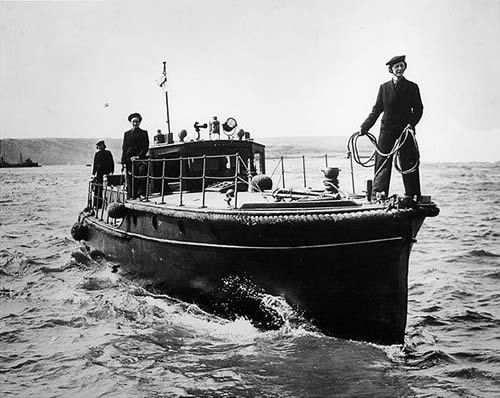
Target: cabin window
<point>211,164</point>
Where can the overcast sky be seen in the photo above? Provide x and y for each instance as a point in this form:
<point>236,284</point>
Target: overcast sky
<point>280,67</point>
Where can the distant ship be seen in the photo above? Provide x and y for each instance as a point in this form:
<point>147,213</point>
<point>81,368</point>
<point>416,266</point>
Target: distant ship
<point>26,163</point>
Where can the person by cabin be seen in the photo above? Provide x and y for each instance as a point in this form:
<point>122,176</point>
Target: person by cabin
<point>159,138</point>
<point>400,102</point>
<point>104,164</point>
<point>135,146</point>
<point>214,128</point>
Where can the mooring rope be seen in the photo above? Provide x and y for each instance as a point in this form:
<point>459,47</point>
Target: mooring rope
<point>407,133</point>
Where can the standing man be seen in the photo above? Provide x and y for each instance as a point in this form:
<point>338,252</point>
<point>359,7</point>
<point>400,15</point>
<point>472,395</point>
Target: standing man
<point>399,100</point>
<point>103,165</point>
<point>135,146</point>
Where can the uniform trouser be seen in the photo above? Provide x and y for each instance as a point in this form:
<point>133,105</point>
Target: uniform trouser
<point>408,155</point>
<point>135,184</point>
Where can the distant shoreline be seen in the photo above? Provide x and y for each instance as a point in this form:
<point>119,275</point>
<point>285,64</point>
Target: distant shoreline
<point>66,151</point>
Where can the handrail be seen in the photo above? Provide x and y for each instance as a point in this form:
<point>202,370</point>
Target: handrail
<point>181,178</point>
<point>203,181</point>
<point>237,172</point>
<point>100,196</point>
<point>239,168</point>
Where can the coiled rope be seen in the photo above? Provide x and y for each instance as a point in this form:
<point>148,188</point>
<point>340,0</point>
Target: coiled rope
<point>407,133</point>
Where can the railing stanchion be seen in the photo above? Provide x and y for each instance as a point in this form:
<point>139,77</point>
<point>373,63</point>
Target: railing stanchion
<point>89,195</point>
<point>100,200</point>
<point>304,170</point>
<point>147,181</point>
<point>132,178</point>
<point>203,180</point>
<point>283,171</point>
<point>164,161</point>
<point>106,201</point>
<point>352,176</point>
<point>180,182</point>
<point>249,175</point>
<point>237,173</point>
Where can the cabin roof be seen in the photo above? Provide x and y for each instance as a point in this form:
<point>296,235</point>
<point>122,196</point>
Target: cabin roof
<point>210,147</point>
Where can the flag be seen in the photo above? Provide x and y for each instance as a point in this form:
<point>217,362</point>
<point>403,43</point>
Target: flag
<point>162,81</point>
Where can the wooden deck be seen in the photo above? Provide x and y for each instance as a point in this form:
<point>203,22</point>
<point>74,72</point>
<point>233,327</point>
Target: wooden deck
<point>213,200</point>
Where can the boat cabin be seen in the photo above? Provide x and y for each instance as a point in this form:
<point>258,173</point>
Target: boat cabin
<point>212,161</point>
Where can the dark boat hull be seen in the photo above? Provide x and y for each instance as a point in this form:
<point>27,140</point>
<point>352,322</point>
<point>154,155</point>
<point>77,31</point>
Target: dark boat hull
<point>346,271</point>
<point>16,165</point>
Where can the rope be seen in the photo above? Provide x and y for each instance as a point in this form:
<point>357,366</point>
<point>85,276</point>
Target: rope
<point>407,133</point>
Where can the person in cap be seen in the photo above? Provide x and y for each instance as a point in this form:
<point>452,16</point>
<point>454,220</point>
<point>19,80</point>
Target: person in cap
<point>135,146</point>
<point>399,101</point>
<point>104,164</point>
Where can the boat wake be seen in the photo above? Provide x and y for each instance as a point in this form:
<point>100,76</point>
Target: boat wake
<point>239,297</point>
<point>240,307</point>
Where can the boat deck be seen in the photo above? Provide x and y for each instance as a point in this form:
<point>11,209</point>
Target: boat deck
<point>251,201</point>
<point>213,200</point>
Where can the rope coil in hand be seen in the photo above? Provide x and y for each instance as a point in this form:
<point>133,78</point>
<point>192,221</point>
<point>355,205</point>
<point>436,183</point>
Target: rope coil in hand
<point>407,133</point>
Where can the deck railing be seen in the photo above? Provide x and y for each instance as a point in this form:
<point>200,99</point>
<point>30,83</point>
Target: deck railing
<point>281,162</point>
<point>241,174</point>
<point>101,195</point>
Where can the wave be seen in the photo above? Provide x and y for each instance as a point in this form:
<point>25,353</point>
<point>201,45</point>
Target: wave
<point>98,283</point>
<point>493,275</point>
<point>473,316</point>
<point>474,254</point>
<point>482,253</point>
<point>472,373</point>
<point>430,320</point>
<point>481,357</point>
<point>432,308</point>
<point>429,359</point>
<point>12,336</point>
<point>75,322</point>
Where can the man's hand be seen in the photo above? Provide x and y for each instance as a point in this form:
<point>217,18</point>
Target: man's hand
<point>363,132</point>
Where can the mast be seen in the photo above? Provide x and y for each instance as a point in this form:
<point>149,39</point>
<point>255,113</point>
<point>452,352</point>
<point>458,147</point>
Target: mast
<point>163,85</point>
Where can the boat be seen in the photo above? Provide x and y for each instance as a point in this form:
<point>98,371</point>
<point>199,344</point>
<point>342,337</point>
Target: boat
<point>26,163</point>
<point>213,226</point>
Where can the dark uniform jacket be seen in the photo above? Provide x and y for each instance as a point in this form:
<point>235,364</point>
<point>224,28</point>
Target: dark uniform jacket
<point>401,105</point>
<point>103,164</point>
<point>135,143</point>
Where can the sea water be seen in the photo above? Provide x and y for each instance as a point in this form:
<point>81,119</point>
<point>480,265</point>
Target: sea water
<point>69,326</point>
